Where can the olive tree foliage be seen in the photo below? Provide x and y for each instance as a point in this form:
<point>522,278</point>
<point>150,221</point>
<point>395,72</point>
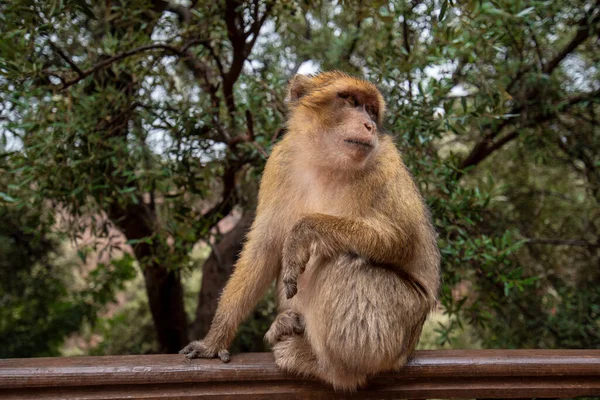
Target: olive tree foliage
<point>156,118</point>
<point>42,298</point>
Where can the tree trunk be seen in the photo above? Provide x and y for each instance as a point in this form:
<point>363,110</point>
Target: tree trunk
<point>163,285</point>
<point>215,272</point>
<point>137,220</point>
<point>165,296</point>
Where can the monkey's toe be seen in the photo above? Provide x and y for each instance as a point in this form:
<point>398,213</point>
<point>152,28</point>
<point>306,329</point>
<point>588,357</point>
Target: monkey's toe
<point>287,323</point>
<point>192,348</point>
<point>272,336</point>
<point>299,324</point>
<point>198,349</point>
<point>276,332</point>
<point>192,354</point>
<point>224,355</point>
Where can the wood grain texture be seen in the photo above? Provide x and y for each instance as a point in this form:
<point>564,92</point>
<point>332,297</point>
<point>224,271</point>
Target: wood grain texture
<point>431,374</point>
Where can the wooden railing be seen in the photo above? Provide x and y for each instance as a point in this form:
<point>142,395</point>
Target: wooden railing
<point>431,374</point>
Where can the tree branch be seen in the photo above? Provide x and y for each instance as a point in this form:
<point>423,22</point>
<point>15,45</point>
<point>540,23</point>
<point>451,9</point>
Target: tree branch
<point>105,63</point>
<point>487,145</point>
<point>255,18</point>
<point>248,137</point>
<point>211,218</point>
<point>354,42</point>
<point>536,45</point>
<point>62,55</point>
<point>582,34</point>
<point>227,202</point>
<point>250,125</point>
<point>241,48</point>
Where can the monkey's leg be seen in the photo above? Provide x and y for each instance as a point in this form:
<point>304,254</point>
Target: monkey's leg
<point>294,354</point>
<point>287,323</point>
<point>254,271</point>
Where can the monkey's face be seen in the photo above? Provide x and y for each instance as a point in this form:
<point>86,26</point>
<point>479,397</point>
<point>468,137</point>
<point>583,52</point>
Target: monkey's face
<point>339,115</point>
<point>351,133</point>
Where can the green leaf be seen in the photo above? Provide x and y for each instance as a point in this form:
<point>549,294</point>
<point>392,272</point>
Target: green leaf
<point>525,12</point>
<point>7,198</point>
<point>443,11</point>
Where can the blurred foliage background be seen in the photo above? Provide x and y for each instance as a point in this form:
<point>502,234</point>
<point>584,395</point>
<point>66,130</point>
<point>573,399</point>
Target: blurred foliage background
<point>133,135</point>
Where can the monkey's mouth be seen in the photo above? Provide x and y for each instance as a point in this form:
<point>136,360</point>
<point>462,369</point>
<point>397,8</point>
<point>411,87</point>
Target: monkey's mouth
<point>361,143</point>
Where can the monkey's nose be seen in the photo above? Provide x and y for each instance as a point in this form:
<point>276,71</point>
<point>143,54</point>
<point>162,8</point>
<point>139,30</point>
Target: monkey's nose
<point>370,126</point>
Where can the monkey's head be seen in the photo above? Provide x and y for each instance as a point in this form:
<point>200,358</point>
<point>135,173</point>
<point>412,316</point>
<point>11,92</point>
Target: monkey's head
<point>336,117</point>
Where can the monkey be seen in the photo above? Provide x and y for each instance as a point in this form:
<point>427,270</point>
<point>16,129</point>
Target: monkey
<point>343,229</point>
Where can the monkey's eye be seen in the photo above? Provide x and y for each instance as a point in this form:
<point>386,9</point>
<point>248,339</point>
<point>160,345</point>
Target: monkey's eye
<point>349,98</point>
<point>372,112</point>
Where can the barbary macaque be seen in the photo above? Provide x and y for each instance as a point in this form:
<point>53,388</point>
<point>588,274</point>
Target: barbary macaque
<point>342,227</point>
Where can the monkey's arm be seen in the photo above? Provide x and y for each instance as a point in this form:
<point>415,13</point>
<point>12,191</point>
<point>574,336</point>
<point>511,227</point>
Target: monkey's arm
<point>375,240</point>
<point>255,270</point>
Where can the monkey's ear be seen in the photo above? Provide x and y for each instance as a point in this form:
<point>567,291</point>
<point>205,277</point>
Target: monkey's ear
<point>299,86</point>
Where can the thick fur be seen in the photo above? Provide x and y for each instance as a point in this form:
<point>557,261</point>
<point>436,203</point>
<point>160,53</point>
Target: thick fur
<point>345,231</point>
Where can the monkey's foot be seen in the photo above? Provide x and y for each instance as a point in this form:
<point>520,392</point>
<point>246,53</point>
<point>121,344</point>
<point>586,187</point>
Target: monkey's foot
<point>293,354</point>
<point>198,349</point>
<point>287,323</point>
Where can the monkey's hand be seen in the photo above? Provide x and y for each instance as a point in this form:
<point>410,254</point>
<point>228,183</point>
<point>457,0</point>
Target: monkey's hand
<point>198,349</point>
<point>296,253</point>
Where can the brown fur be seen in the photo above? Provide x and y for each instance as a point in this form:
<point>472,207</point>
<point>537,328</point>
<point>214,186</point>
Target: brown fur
<point>343,227</point>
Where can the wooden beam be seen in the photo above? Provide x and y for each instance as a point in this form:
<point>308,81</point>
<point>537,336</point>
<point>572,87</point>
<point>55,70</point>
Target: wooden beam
<point>431,374</point>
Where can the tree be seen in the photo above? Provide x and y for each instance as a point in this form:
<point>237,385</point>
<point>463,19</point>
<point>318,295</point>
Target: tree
<point>159,116</point>
<point>39,305</point>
